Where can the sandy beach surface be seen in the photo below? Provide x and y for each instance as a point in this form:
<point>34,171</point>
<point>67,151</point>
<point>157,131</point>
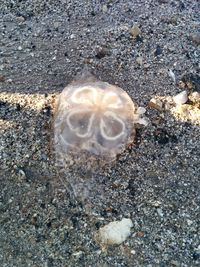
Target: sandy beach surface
<point>151,49</point>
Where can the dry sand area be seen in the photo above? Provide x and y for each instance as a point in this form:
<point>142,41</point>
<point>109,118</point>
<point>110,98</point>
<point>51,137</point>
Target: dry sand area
<point>151,49</point>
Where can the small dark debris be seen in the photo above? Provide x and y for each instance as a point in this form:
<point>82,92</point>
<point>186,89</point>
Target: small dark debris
<point>47,110</point>
<point>139,39</point>
<point>187,125</point>
<point>196,256</point>
<point>158,51</point>
<point>137,141</point>
<point>2,79</point>
<point>74,221</point>
<point>49,224</point>
<point>173,139</point>
<point>161,136</point>
<point>40,238</point>
<point>98,225</point>
<point>33,47</point>
<point>2,103</point>
<point>191,81</point>
<point>42,205</point>
<point>50,262</point>
<point>34,221</point>
<point>131,187</point>
<point>182,6</point>
<point>18,107</point>
<point>102,52</point>
<point>163,1</point>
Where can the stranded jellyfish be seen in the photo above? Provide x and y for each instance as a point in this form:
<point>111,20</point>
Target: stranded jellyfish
<point>94,121</point>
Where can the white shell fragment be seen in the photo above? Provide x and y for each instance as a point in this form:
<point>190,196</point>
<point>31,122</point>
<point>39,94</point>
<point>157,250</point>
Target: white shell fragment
<point>115,232</point>
<point>96,119</point>
<point>181,98</point>
<point>172,75</point>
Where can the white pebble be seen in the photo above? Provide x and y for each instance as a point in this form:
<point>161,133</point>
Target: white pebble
<point>181,98</point>
<point>133,252</point>
<point>143,121</point>
<point>189,222</point>
<point>141,110</point>
<point>115,232</point>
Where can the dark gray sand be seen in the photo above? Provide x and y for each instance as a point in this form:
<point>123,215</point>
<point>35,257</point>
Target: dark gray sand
<point>155,182</point>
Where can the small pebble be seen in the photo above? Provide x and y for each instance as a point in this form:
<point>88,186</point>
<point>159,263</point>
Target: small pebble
<point>135,31</point>
<point>104,8</point>
<point>21,19</point>
<point>195,38</point>
<point>102,52</point>
<point>155,104</point>
<point>189,222</point>
<point>2,79</point>
<point>133,252</point>
<point>141,110</point>
<point>22,173</point>
<point>175,263</point>
<point>115,232</point>
<point>77,253</point>
<point>139,61</point>
<point>181,98</point>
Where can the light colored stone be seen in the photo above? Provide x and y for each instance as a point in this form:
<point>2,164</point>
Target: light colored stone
<point>175,263</point>
<point>195,37</point>
<point>181,98</point>
<point>115,232</point>
<point>155,104</point>
<point>139,61</point>
<point>135,31</point>
<point>21,19</point>
<point>104,8</point>
<point>133,252</point>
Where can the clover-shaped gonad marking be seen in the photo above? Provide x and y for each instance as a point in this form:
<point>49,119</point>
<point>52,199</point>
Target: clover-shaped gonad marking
<point>95,117</point>
<point>93,108</point>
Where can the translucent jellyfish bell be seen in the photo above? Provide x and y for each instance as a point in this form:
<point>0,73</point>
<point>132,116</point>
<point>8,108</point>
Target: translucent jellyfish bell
<point>94,121</point>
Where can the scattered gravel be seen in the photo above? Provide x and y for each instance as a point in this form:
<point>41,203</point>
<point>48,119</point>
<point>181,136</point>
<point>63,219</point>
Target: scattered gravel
<point>155,182</point>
